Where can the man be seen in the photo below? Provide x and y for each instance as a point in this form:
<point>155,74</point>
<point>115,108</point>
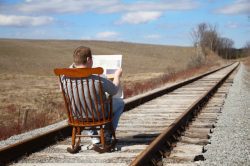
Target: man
<point>82,58</point>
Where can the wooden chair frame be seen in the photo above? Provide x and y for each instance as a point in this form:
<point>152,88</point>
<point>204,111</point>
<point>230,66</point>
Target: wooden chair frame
<point>89,111</point>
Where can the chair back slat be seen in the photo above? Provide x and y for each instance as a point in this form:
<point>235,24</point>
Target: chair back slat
<point>96,100</point>
<point>90,101</point>
<point>73,103</point>
<point>79,104</point>
<point>85,100</point>
<point>68,100</point>
<point>86,110</point>
<point>100,91</point>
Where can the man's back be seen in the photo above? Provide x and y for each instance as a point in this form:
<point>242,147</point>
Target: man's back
<point>87,94</point>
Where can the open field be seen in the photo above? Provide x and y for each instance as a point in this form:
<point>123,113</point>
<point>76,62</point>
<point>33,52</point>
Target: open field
<point>41,57</point>
<point>29,94</point>
<point>246,61</point>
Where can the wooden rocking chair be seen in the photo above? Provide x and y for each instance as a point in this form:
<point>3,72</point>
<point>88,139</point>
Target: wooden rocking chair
<point>87,106</point>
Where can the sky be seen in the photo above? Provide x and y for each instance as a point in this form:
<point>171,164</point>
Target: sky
<point>166,22</point>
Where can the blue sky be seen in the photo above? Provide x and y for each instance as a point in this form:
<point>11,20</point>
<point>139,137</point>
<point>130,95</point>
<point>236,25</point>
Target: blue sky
<point>167,22</point>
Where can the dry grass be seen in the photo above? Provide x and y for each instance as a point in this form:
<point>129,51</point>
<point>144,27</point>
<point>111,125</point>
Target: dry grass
<point>246,61</point>
<point>28,102</point>
<point>137,87</point>
<point>29,94</point>
<point>41,57</point>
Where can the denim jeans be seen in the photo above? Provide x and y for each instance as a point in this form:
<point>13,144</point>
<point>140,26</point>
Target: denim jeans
<point>118,106</point>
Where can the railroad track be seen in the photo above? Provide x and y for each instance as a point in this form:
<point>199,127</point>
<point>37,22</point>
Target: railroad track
<point>147,132</point>
<point>191,145</point>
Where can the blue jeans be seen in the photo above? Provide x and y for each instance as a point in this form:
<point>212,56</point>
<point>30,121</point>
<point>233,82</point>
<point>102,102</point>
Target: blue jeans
<point>118,106</point>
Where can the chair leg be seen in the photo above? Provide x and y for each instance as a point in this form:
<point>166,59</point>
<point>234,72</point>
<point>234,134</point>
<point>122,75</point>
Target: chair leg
<point>73,137</point>
<point>102,136</point>
<point>74,148</point>
<point>79,138</point>
<point>105,147</point>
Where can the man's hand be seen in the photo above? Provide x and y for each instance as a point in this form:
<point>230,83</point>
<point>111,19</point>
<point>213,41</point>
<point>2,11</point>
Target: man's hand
<point>117,75</point>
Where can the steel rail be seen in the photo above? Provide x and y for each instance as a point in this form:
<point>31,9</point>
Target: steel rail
<point>12,152</point>
<point>140,99</point>
<point>151,153</point>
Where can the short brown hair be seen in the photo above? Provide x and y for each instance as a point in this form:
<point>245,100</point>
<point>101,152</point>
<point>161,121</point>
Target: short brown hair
<point>81,54</point>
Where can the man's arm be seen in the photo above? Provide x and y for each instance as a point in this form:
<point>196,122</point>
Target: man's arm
<point>112,87</point>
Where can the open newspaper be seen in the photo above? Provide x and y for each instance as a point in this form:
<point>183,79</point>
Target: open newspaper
<point>109,63</point>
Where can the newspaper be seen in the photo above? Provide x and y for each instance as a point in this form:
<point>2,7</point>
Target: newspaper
<point>109,63</point>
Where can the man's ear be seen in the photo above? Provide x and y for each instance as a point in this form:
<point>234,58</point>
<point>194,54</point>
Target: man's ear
<point>89,62</point>
<point>89,59</point>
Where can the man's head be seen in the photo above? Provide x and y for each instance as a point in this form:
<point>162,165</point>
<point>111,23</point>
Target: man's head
<point>82,57</point>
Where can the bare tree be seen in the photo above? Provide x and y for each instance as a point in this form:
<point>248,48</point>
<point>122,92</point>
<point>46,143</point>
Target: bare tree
<point>225,47</point>
<point>197,33</point>
<point>212,37</point>
<point>206,36</point>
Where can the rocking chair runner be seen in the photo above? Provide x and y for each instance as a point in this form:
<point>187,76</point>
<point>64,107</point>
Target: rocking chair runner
<point>87,105</point>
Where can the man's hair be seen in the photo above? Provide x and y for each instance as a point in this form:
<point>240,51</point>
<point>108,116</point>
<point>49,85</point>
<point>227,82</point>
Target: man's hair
<point>81,54</point>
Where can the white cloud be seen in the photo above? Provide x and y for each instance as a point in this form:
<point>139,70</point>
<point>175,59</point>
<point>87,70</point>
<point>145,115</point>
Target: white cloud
<point>107,35</point>
<point>110,6</point>
<point>153,36</point>
<point>63,6</point>
<point>135,12</point>
<point>145,10</point>
<point>239,7</point>
<point>140,17</point>
<point>232,25</point>
<point>13,20</point>
<point>161,5</point>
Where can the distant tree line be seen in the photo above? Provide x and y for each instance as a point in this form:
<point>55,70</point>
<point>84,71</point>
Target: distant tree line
<point>206,37</point>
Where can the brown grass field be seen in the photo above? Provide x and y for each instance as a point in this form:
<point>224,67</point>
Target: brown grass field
<point>29,93</point>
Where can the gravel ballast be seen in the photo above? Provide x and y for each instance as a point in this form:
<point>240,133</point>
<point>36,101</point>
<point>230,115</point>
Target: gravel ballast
<point>27,135</point>
<point>230,142</point>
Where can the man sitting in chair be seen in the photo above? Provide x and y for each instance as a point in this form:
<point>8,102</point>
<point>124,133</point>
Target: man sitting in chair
<point>82,58</point>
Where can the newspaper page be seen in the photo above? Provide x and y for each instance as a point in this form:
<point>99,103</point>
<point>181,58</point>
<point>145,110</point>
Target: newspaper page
<point>109,63</point>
